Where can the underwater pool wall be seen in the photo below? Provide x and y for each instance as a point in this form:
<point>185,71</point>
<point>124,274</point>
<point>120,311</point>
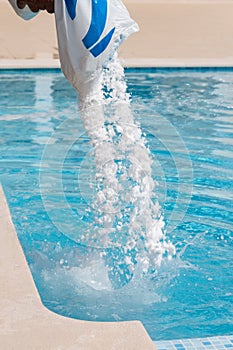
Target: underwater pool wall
<point>26,324</point>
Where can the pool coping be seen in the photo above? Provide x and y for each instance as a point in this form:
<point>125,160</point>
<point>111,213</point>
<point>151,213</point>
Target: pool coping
<point>49,63</point>
<point>25,323</point>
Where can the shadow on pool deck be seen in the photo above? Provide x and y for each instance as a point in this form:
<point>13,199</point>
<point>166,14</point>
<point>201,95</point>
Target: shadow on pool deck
<point>25,324</point>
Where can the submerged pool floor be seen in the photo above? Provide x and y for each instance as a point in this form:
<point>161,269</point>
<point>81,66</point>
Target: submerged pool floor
<point>211,343</point>
<point>186,116</point>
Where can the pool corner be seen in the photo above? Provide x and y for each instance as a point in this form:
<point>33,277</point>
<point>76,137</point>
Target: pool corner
<point>27,324</point>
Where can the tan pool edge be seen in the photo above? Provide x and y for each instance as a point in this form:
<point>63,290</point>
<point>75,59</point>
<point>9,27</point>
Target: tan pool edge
<point>25,324</point>
<point>130,63</point>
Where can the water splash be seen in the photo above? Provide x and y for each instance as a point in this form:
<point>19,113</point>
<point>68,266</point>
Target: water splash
<point>127,224</point>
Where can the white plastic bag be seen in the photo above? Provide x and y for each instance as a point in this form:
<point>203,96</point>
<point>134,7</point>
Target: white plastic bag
<point>89,32</point>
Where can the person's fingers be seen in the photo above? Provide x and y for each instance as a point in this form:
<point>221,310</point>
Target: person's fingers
<point>21,4</point>
<point>50,6</point>
<point>32,4</point>
<point>33,7</point>
<point>36,5</point>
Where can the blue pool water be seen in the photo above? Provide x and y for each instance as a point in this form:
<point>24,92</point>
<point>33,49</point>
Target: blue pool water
<point>45,165</point>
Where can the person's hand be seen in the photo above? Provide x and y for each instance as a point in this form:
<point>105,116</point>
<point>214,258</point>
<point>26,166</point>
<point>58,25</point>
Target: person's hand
<point>36,5</point>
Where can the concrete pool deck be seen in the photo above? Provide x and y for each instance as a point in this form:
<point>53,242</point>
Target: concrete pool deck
<point>25,324</point>
<point>172,33</point>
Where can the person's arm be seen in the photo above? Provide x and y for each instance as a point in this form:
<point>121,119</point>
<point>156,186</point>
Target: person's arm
<point>25,12</point>
<point>28,9</point>
<point>37,5</point>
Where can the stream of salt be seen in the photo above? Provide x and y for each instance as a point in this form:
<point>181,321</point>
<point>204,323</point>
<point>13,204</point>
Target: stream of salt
<point>127,216</point>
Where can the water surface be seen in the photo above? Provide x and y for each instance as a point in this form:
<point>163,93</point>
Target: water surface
<point>186,116</point>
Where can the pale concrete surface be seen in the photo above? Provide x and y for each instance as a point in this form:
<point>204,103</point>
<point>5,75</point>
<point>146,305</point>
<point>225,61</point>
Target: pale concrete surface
<point>25,324</point>
<point>26,39</point>
<point>181,30</point>
<point>176,32</point>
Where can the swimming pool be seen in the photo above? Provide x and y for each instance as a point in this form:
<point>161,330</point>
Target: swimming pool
<point>186,116</point>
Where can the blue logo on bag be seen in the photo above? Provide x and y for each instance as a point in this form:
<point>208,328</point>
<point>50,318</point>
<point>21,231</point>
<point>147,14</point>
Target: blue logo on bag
<point>71,8</point>
<point>98,21</point>
<point>99,16</point>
